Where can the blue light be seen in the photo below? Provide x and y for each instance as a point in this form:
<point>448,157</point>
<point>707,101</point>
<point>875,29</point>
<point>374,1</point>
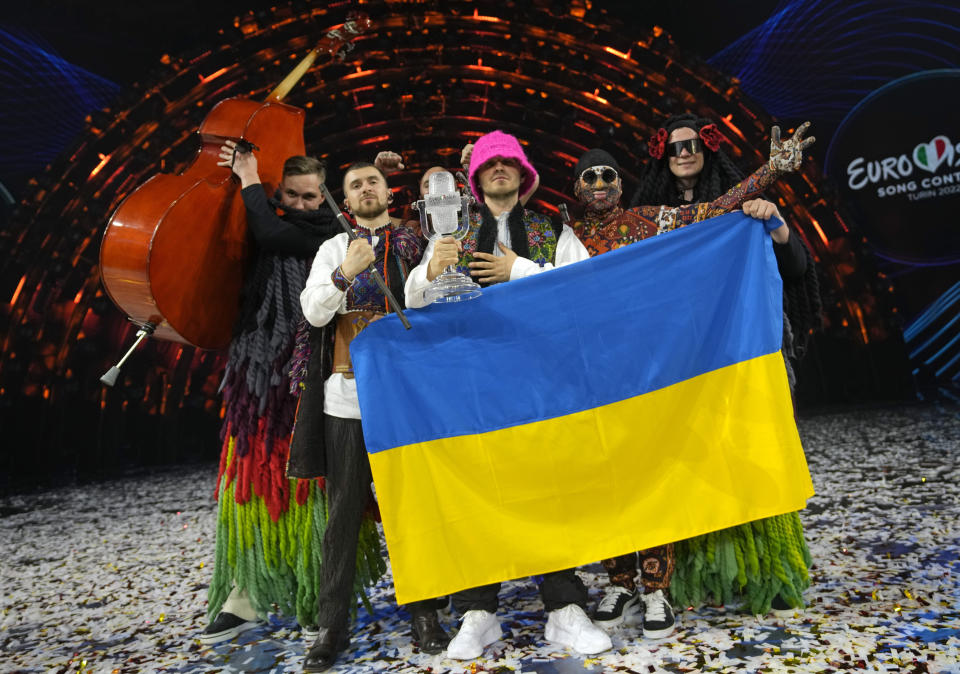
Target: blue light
<point>45,99</point>
<point>818,58</point>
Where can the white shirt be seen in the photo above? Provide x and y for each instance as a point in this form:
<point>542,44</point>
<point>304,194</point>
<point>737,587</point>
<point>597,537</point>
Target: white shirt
<point>321,301</point>
<point>569,250</point>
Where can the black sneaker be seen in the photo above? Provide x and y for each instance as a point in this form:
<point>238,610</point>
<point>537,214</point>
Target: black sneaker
<point>658,620</point>
<point>617,603</point>
<point>224,627</point>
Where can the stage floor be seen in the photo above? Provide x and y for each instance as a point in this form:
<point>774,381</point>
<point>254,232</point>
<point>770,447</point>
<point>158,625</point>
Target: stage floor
<point>112,578</point>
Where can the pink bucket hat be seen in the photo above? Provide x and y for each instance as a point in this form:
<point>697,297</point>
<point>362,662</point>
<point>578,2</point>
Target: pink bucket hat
<point>499,144</point>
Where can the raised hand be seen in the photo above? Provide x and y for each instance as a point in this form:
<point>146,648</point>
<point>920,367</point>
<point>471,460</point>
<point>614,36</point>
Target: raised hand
<point>786,156</point>
<point>465,156</point>
<point>389,162</point>
<point>243,164</point>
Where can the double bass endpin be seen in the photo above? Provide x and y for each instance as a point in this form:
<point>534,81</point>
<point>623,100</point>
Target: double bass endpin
<point>110,378</point>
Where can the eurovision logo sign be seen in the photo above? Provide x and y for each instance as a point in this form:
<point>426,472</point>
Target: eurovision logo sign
<point>896,160</point>
<point>904,173</point>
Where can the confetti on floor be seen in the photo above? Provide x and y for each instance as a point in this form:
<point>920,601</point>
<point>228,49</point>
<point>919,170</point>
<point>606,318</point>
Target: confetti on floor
<point>112,577</point>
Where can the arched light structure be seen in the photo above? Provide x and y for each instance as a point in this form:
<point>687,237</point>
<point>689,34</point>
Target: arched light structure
<point>427,78</point>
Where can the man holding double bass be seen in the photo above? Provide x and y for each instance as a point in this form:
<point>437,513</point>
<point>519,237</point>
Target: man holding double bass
<point>251,575</point>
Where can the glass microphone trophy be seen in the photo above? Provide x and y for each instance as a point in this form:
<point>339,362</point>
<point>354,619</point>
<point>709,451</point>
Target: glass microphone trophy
<point>445,212</point>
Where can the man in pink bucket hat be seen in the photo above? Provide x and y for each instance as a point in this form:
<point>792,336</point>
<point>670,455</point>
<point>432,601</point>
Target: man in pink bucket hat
<point>506,242</point>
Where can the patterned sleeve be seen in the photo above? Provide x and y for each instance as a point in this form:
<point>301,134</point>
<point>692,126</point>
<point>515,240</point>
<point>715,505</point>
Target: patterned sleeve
<point>750,188</point>
<point>647,212</point>
<point>666,218</point>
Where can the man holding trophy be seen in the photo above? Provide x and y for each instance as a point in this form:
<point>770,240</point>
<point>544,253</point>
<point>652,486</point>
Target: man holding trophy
<point>504,241</point>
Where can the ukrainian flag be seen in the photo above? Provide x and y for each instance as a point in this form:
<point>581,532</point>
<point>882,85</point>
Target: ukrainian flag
<point>631,400</point>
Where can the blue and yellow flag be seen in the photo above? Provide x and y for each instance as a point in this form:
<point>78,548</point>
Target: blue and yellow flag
<point>631,400</point>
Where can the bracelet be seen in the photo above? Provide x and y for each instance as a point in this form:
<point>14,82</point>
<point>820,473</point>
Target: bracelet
<point>339,280</point>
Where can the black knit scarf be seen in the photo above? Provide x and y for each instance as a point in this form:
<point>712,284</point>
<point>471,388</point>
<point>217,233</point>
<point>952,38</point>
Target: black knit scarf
<point>255,380</point>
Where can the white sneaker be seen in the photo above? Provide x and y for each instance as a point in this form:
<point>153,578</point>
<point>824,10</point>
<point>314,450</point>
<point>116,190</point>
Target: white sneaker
<point>478,630</point>
<point>569,626</point>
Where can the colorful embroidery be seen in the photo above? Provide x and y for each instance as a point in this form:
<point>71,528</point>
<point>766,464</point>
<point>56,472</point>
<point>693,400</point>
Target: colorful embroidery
<point>616,229</point>
<point>541,239</point>
<point>665,218</point>
<point>363,293</point>
<point>339,280</point>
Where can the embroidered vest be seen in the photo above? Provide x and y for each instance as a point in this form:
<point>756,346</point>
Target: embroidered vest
<point>397,251</point>
<point>396,248</point>
<point>541,239</point>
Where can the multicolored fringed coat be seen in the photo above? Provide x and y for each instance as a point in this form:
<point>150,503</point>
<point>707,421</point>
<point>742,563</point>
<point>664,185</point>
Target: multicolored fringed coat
<point>269,527</point>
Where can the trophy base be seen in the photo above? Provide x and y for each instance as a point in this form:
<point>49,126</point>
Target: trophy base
<point>451,286</point>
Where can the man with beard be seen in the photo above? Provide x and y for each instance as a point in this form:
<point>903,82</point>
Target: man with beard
<point>506,242</point>
<point>607,226</point>
<point>340,288</point>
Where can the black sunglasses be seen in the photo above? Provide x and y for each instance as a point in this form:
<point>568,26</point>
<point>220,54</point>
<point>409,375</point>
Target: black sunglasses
<point>592,175</point>
<point>692,145</point>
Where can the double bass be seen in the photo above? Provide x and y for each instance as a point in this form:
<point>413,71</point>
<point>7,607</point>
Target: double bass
<point>174,251</point>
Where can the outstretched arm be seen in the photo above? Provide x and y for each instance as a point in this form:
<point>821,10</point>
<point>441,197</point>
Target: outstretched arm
<point>785,157</point>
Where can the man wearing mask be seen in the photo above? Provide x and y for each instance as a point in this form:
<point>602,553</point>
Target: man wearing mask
<point>607,226</point>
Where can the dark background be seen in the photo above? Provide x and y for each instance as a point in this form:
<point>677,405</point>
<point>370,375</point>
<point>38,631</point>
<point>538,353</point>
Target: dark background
<point>68,70</point>
<point>123,42</point>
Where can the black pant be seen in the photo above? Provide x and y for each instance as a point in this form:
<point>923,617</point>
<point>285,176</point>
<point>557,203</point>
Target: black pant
<point>348,488</point>
<point>557,589</point>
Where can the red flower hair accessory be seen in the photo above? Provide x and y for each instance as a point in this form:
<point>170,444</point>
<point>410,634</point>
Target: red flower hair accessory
<point>712,137</point>
<point>657,143</point>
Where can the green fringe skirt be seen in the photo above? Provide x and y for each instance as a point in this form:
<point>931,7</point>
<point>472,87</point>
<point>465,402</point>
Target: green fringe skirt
<point>752,562</point>
<point>277,562</point>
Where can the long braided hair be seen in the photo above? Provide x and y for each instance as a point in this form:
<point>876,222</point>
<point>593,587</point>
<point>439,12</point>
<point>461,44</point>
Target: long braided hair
<point>658,186</point>
<point>803,306</point>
